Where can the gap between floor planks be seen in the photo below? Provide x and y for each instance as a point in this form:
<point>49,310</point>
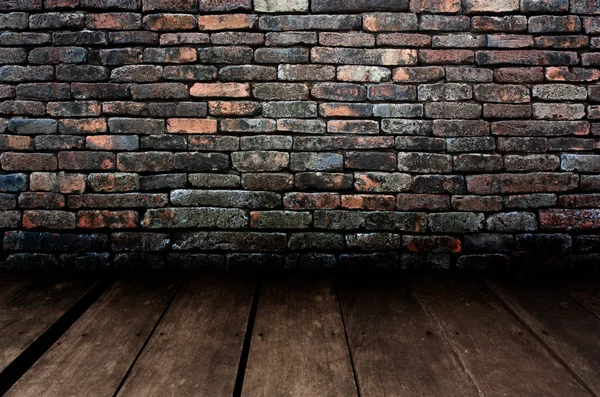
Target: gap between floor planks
<point>313,336</point>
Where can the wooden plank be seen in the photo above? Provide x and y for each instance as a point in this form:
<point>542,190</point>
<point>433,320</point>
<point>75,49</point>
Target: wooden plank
<point>29,306</point>
<point>94,355</point>
<point>571,331</point>
<point>397,348</point>
<point>298,346</point>
<point>196,349</point>
<point>586,291</point>
<point>501,355</point>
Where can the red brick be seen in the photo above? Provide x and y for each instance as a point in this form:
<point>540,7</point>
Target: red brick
<point>107,219</point>
<point>224,90</point>
<point>192,126</point>
<point>227,21</point>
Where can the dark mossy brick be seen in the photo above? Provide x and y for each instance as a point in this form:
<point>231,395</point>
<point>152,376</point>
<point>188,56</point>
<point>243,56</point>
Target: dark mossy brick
<point>482,242</point>
<point>470,144</point>
<point>315,241</point>
<point>44,91</point>
<point>372,161</point>
<point>460,128</point>
<point>370,220</point>
<point>10,219</point>
<point>477,203</point>
<point>280,220</point>
<point>59,142</point>
<point>266,142</point>
<point>248,73</point>
<point>340,6</point>
<point>390,22</point>
<point>477,162</point>
<point>538,182</point>
<point>56,55</point>
<point>580,162</point>
<point>531,162</point>
<point>452,110</point>
<point>57,20</point>
<point>23,126</point>
<point>54,242</point>
<point>406,127</point>
<point>402,110</point>
<point>164,142</point>
<point>507,222</point>
<point>290,38</point>
<point>453,184</point>
<point>139,261</point>
<point>190,72</point>
<point>374,241</point>
<point>211,180</point>
<point>159,91</point>
<point>281,55</point>
<point>311,260</point>
<point>237,38</point>
<point>14,55</point>
<point>226,55</point>
<point>224,5</point>
<point>257,161</point>
<point>586,243</point>
<point>506,111</point>
<point>527,57</point>
<point>323,181</point>
<point>267,181</point>
<point>201,162</point>
<point>307,161</point>
<point>124,125</point>
<point>529,201</point>
<point>23,108</point>
<point>177,109</point>
<point>100,91</point>
<point>559,243</point>
<point>308,201</point>
<point>254,261</point>
<point>44,200</point>
<point>81,73</point>
<point>139,241</point>
<point>136,74</point>
<point>290,109</point>
<point>339,91</point>
<point>73,109</point>
<point>213,143</point>
<point>329,143</point>
<point>145,162</point>
<point>14,20</point>
<point>424,163</point>
<point>17,73</point>
<point>133,37</point>
<point>162,182</point>
<point>456,222</point>
<point>24,38</point>
<point>83,38</point>
<point>177,5</point>
<point>310,22</point>
<point>8,201</point>
<point>118,56</point>
<point>85,262</point>
<point>30,261</point>
<point>280,91</point>
<point>248,125</point>
<point>231,241</point>
<point>191,262</point>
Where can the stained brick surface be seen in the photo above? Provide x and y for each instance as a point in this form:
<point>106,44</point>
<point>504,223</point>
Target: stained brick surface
<point>406,133</point>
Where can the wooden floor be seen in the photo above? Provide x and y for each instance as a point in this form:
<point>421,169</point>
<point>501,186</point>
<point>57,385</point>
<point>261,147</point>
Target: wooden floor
<point>299,335</point>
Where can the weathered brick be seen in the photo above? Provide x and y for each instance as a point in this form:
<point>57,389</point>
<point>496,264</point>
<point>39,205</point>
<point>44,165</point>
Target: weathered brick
<point>269,181</point>
<point>169,22</point>
<point>107,219</point>
<point>145,162</point>
<point>444,57</point>
<point>449,23</point>
<point>526,57</point>
<point>114,21</point>
<point>370,220</point>
<point>541,182</point>
<point>364,56</point>
<point>280,220</point>
<point>404,39</point>
<point>569,219</point>
<point>226,198</point>
<point>227,21</point>
<point>48,219</point>
<point>256,161</point>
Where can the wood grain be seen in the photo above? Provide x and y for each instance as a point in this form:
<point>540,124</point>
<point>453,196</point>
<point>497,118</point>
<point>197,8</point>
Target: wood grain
<point>197,347</point>
<point>29,306</point>
<point>298,346</point>
<point>502,356</point>
<point>397,348</point>
<point>570,330</point>
<point>94,355</point>
<point>585,291</point>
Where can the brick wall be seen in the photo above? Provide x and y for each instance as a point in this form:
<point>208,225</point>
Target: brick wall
<point>189,133</point>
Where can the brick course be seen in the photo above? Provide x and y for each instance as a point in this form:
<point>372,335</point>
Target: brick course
<point>431,133</point>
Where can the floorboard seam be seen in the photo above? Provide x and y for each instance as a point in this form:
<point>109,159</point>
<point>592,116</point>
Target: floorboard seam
<point>339,301</point>
<point>162,315</point>
<point>241,373</point>
<point>552,353</point>
<point>415,290</point>
<point>20,365</point>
